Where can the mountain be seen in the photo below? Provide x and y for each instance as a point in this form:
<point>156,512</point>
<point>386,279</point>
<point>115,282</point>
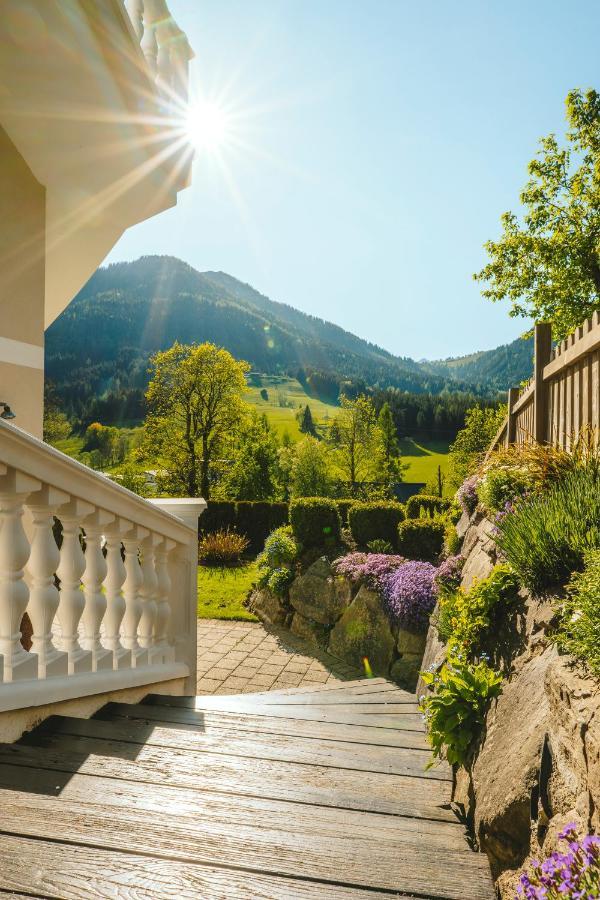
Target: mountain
<point>101,344</point>
<point>497,369</point>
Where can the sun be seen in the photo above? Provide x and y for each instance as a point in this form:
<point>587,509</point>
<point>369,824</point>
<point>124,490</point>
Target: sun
<point>207,126</point>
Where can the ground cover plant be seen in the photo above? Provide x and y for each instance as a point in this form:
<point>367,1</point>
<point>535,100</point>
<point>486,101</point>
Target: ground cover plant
<point>368,568</point>
<point>572,872</point>
<point>410,594</point>
<point>579,629</point>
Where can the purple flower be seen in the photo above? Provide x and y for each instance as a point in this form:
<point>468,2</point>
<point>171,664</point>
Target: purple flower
<point>410,594</point>
<point>574,874</point>
<point>467,494</point>
<point>449,572</point>
<point>370,568</point>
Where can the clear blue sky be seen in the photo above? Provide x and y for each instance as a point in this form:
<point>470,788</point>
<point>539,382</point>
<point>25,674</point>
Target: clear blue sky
<point>377,144</point>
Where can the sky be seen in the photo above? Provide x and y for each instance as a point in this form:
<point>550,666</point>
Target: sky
<point>370,148</point>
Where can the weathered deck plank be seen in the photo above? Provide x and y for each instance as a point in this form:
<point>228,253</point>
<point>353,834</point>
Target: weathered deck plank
<point>297,794</point>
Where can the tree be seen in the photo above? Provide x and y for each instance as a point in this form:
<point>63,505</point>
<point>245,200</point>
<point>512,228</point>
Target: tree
<point>352,435</point>
<point>195,405</point>
<point>472,442</point>
<point>253,475</point>
<point>305,422</point>
<point>310,470</point>
<point>56,424</point>
<point>547,262</point>
<point>388,449</point>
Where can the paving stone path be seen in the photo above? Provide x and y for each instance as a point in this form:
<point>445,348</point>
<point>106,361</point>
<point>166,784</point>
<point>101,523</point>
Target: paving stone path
<point>242,657</point>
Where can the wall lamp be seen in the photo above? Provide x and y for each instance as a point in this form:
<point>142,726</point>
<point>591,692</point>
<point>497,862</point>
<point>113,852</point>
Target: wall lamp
<point>7,412</point>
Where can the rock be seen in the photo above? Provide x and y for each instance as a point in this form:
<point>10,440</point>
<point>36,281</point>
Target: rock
<point>364,631</point>
<point>405,671</point>
<point>434,653</point>
<point>409,642</point>
<point>268,607</point>
<point>319,595</point>
<point>479,551</point>
<point>312,632</point>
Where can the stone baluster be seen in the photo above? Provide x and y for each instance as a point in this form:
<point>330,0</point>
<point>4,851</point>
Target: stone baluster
<point>133,600</point>
<point>148,593</point>
<point>135,10</point>
<point>95,601</point>
<point>115,602</point>
<point>163,604</point>
<point>44,597</point>
<point>148,42</point>
<point>70,570</point>
<point>14,593</point>
<point>180,56</point>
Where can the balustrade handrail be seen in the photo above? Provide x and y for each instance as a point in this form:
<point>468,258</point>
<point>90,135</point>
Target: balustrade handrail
<point>114,606</point>
<point>164,45</point>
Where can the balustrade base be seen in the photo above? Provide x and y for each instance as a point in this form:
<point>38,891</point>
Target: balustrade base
<point>22,666</point>
<point>102,659</point>
<point>121,659</point>
<point>139,657</point>
<point>80,661</point>
<point>55,663</point>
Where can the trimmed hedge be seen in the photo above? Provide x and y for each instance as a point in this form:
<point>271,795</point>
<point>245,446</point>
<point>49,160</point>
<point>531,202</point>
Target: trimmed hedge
<point>315,521</point>
<point>421,539</point>
<point>254,519</point>
<point>428,504</point>
<point>375,521</point>
<point>343,509</point>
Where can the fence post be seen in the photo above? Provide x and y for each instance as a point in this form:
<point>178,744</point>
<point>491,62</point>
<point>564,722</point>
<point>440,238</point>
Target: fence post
<point>513,396</point>
<point>542,344</point>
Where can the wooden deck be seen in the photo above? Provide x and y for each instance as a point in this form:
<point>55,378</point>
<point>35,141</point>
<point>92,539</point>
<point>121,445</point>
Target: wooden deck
<point>308,793</point>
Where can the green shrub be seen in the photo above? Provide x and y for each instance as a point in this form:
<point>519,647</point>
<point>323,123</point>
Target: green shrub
<point>279,580</point>
<point>219,515</point>
<point>276,562</point>
<point>315,521</point>
<point>465,617</point>
<point>343,509</point>
<point>253,518</point>
<point>380,547</point>
<point>579,629</point>
<point>279,514</point>
<point>421,539</point>
<point>375,521</point>
<point>455,711</point>
<point>222,548</point>
<point>425,505</point>
<point>452,542</point>
<point>501,486</point>
<point>544,536</point>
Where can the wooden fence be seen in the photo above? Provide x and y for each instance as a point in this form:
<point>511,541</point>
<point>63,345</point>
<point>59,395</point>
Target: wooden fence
<point>563,397</point>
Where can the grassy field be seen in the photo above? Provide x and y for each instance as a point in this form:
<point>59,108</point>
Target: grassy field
<point>285,397</point>
<point>221,592</point>
<point>423,458</point>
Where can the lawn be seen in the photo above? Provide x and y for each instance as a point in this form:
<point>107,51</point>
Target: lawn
<point>221,592</point>
<point>423,458</point>
<point>285,397</point>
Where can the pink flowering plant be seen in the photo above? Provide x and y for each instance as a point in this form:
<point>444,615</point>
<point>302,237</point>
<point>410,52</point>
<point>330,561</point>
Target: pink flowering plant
<point>467,494</point>
<point>368,568</point>
<point>572,873</point>
<point>410,593</point>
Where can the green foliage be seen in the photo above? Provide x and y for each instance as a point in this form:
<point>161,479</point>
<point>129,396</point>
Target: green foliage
<point>353,436</point>
<point>344,507</point>
<point>276,562</point>
<point>219,515</point>
<point>315,521</point>
<point>472,443</point>
<point>129,477</point>
<point>547,262</point>
<point>56,425</point>
<point>194,407</point>
<point>106,445</point>
<point>222,548</point>
<point>452,542</point>
<point>379,546</point>
<point>421,505</point>
<point>387,447</point>
<point>254,520</point>
<point>421,539</point>
<point>375,521</point>
<point>254,471</point>
<point>309,472</point>
<point>579,629</point>
<point>545,536</point>
<point>465,617</point>
<point>306,423</point>
<point>501,486</point>
<point>456,709</point>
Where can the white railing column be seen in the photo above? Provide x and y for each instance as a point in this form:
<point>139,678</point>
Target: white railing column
<point>95,600</point>
<point>135,10</point>
<point>148,594</point>
<point>14,593</point>
<point>163,605</point>
<point>115,602</point>
<point>133,601</point>
<point>70,570</point>
<point>44,597</point>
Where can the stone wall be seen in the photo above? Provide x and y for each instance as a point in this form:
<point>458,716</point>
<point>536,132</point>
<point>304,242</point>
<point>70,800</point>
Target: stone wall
<point>347,620</point>
<point>537,764</point>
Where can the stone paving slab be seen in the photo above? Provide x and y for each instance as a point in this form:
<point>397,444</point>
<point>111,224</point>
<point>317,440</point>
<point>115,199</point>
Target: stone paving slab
<point>242,657</point>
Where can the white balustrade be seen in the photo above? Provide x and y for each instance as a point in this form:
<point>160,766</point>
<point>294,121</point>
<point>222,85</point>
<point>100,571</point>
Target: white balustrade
<point>164,45</point>
<point>114,607</point>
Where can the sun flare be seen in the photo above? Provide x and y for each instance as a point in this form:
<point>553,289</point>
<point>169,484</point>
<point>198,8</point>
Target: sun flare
<point>207,126</point>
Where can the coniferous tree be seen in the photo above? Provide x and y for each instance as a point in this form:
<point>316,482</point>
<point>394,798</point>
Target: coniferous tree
<point>306,423</point>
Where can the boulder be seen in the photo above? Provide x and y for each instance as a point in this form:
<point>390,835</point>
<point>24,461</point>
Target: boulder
<point>312,632</point>
<point>479,551</point>
<point>405,671</point>
<point>268,607</point>
<point>364,631</point>
<point>434,653</point>
<point>320,595</point>
<point>409,642</point>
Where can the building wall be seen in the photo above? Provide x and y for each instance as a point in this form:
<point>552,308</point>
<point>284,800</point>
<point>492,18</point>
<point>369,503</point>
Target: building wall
<point>22,287</point>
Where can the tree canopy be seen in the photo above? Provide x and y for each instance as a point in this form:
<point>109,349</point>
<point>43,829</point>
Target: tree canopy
<point>547,261</point>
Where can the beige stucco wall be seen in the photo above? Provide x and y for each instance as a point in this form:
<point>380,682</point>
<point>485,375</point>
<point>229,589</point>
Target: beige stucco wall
<point>15,722</point>
<point>22,286</point>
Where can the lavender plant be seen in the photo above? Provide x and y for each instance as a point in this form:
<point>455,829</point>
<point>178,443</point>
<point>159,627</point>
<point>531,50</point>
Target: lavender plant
<point>574,873</point>
<point>449,572</point>
<point>410,593</point>
<point>467,494</point>
<point>368,568</point>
